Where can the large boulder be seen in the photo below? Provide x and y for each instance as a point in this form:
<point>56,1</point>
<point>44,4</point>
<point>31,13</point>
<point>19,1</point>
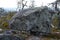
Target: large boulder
<point>36,19</point>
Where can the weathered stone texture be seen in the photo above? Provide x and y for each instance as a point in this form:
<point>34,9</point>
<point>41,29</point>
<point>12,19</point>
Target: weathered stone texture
<point>36,17</point>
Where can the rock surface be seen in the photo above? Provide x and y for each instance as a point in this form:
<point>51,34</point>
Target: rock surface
<point>9,37</point>
<point>36,19</point>
<point>33,38</point>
